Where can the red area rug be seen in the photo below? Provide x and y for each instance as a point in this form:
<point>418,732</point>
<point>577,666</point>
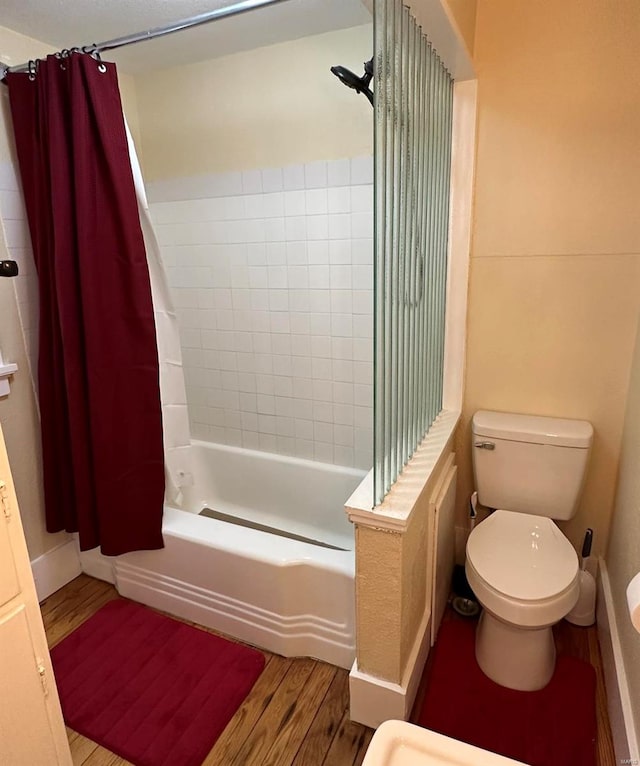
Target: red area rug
<point>555,726</point>
<point>151,689</point>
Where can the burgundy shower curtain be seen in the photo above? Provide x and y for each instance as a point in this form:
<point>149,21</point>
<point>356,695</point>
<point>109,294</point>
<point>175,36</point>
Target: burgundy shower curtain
<point>98,365</point>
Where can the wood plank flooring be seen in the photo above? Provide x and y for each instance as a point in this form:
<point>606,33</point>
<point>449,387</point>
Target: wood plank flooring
<point>297,712</point>
<point>295,715</point>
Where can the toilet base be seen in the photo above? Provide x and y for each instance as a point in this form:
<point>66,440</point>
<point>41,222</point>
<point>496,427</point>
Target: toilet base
<point>518,658</point>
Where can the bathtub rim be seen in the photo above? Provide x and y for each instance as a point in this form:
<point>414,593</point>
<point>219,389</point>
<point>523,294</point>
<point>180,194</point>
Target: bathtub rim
<point>277,457</point>
<point>289,552</point>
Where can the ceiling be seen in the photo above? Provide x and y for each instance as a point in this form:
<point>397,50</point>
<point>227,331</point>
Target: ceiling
<point>67,23</point>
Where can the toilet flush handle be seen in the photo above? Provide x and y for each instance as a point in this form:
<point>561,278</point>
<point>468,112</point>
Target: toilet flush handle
<point>484,445</point>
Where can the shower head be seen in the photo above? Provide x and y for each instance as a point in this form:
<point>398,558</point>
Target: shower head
<point>351,80</point>
<point>346,76</point>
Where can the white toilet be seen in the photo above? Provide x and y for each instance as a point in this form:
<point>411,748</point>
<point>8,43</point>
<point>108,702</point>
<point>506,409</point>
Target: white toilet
<point>521,567</point>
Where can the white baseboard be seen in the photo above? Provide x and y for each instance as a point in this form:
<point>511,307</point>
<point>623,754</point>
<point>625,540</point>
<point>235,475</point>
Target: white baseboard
<point>96,565</point>
<point>625,741</point>
<point>374,700</point>
<point>56,568</point>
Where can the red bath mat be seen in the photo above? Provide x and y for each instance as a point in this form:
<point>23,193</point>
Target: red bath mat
<point>151,689</point>
<point>555,726</point>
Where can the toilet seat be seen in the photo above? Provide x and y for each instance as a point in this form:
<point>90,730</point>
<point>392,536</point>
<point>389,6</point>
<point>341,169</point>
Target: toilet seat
<point>523,556</point>
<point>522,568</point>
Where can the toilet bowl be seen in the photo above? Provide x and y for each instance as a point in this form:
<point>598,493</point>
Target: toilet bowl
<point>525,574</point>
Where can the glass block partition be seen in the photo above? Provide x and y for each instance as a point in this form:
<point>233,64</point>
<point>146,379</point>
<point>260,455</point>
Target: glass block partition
<point>413,114</point>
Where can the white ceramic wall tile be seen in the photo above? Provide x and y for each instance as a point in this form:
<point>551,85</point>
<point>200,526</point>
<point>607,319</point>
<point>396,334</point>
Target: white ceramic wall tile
<point>340,251</point>
<point>362,170</point>
<point>16,234</point>
<point>317,227</point>
<point>9,177</point>
<point>318,252</point>
<point>18,242</point>
<point>339,226</point>
<point>272,274</point>
<point>319,299</point>
<point>339,199</point>
<point>295,202</point>
<point>274,229</point>
<point>363,302</point>
<point>339,172</point>
<point>319,277</point>
<point>315,175</point>
<point>362,251</point>
<point>272,180</point>
<point>362,199</point>
<point>298,277</point>
<point>11,205</point>
<point>316,201</point>
<point>362,225</point>
<point>273,204</point>
<point>293,177</point>
<point>254,205</point>
<point>320,323</point>
<point>300,324</point>
<point>340,277</point>
<point>251,181</point>
<point>276,253</point>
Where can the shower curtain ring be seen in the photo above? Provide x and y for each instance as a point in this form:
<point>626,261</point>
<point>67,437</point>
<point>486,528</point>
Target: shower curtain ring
<point>102,67</point>
<point>32,70</point>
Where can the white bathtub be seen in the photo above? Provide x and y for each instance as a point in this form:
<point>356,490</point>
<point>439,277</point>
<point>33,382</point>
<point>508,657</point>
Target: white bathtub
<point>288,596</point>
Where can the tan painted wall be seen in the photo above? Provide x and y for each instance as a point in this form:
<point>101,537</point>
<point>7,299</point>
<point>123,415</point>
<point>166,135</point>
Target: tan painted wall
<point>555,273</point>
<point>464,14</point>
<point>17,49</point>
<point>623,558</point>
<point>14,49</point>
<point>268,107</point>
<point>393,582</point>
<point>18,413</point>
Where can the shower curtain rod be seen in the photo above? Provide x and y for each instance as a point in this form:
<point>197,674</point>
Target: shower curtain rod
<point>177,26</point>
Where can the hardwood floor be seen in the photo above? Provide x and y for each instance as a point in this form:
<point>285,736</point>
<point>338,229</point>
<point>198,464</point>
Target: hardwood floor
<point>297,712</point>
<point>295,715</point>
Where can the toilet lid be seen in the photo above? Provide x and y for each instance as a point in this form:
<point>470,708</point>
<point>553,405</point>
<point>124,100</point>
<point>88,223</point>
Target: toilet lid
<point>523,556</point>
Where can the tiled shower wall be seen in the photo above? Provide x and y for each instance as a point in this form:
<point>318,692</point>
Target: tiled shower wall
<point>16,232</point>
<point>272,275</point>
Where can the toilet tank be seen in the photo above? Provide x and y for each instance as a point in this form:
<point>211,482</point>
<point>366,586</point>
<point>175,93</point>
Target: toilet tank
<point>530,464</point>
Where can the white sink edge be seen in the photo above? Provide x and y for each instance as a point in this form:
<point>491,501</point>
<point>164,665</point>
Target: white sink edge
<point>398,743</point>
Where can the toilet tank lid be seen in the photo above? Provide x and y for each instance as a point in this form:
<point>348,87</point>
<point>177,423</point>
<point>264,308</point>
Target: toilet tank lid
<point>534,429</point>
